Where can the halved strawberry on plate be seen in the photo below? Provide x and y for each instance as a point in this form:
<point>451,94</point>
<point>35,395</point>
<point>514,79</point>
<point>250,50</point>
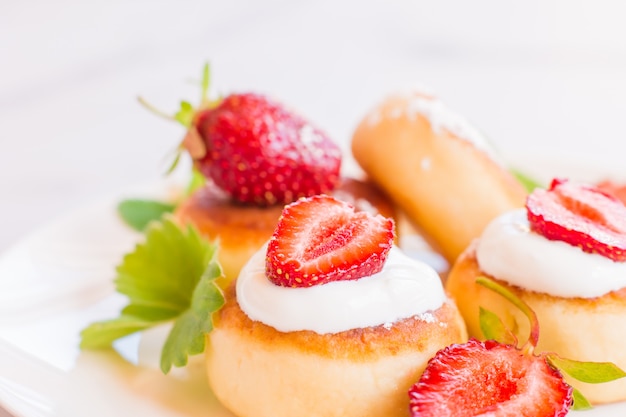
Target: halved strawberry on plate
<point>496,378</point>
<point>489,379</point>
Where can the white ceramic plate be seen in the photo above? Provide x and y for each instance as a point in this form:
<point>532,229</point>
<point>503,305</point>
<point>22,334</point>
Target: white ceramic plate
<point>55,282</point>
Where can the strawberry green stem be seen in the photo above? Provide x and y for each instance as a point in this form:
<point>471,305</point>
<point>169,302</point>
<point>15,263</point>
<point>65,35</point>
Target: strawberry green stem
<point>206,79</point>
<point>533,337</point>
<point>154,110</point>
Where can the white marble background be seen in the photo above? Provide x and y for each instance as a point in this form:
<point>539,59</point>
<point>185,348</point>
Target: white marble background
<point>546,77</point>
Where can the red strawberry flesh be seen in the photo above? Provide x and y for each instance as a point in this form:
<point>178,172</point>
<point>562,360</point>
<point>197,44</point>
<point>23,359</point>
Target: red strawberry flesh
<point>262,154</point>
<point>492,379</point>
<point>616,189</point>
<point>580,215</point>
<point>321,239</point>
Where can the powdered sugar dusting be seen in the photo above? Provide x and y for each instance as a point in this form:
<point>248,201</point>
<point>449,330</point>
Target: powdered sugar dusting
<point>442,118</point>
<point>373,118</point>
<point>396,112</point>
<point>427,316</point>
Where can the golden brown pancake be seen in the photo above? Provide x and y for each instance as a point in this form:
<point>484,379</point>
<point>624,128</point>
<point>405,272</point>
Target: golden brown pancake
<point>258,371</point>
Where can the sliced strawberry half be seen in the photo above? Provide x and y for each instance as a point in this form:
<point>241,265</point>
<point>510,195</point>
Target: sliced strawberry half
<point>489,379</point>
<point>581,215</point>
<point>616,189</point>
<point>321,239</point>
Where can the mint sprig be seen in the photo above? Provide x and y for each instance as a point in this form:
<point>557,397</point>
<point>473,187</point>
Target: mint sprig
<point>493,328</point>
<point>171,276</point>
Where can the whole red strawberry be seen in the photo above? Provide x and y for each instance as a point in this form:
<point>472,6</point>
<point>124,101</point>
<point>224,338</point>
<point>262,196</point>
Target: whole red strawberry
<point>260,153</point>
<point>255,149</point>
<point>321,239</point>
<point>489,379</point>
<point>581,215</point>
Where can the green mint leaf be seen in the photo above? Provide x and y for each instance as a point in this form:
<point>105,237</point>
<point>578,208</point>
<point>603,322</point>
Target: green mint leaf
<point>169,276</point>
<point>493,328</point>
<point>198,180</point>
<point>185,114</point>
<point>139,213</point>
<point>590,372</point>
<point>528,182</point>
<point>188,334</point>
<point>580,402</point>
<point>102,334</point>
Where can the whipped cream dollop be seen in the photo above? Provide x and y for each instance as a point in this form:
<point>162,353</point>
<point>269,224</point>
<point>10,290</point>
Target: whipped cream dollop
<point>404,288</point>
<point>510,251</point>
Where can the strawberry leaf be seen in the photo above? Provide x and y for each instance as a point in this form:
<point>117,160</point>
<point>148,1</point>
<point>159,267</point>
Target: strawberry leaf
<point>197,181</point>
<point>493,328</point>
<point>187,335</point>
<point>169,276</point>
<point>100,335</point>
<point>185,114</point>
<point>580,402</point>
<point>177,154</point>
<point>533,337</point>
<point>139,213</point>
<point>529,183</point>
<point>590,372</point>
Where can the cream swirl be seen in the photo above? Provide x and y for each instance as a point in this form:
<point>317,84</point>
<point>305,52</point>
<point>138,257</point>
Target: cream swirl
<point>403,289</point>
<point>510,251</point>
